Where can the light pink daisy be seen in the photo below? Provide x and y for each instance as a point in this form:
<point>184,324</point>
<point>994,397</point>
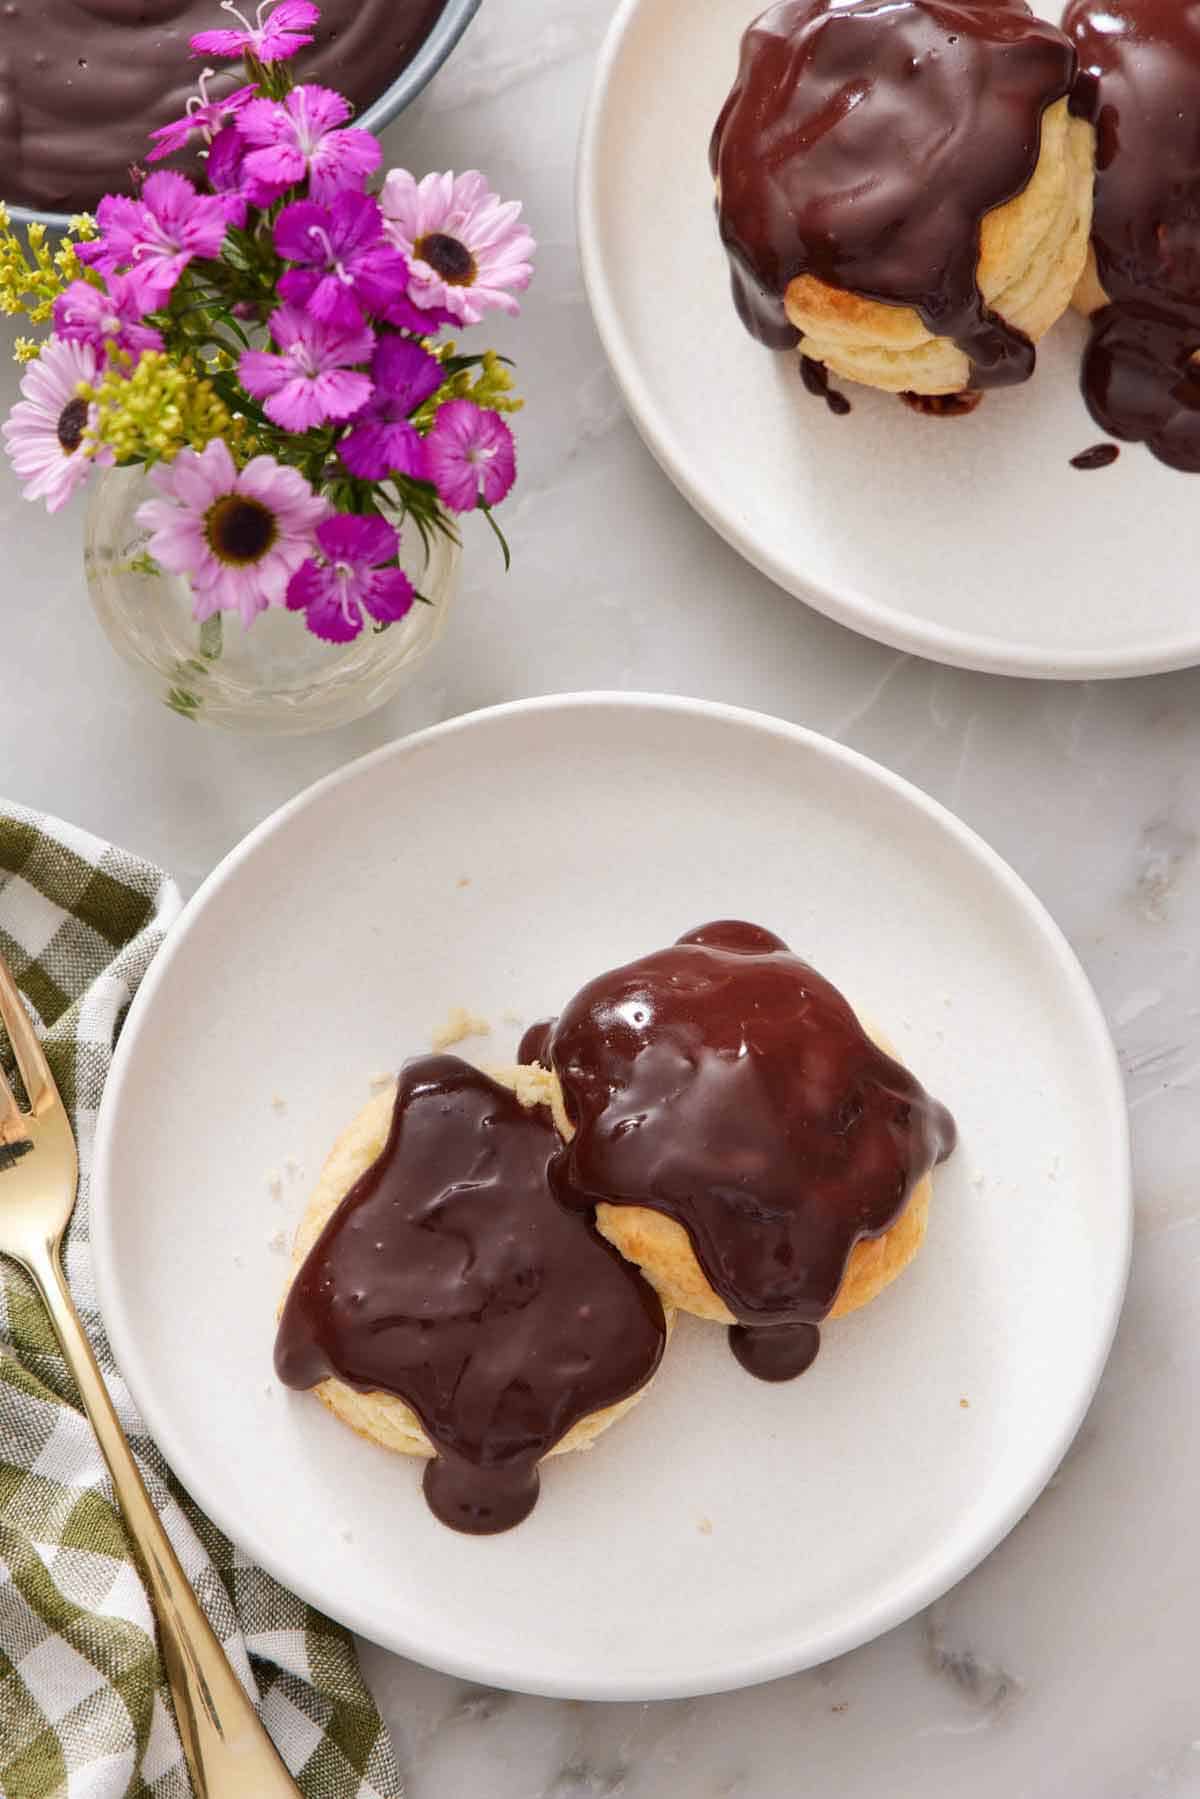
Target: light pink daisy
<point>203,115</point>
<point>306,134</point>
<point>281,27</point>
<point>467,250</point>
<point>158,234</point>
<point>470,456</point>
<point>43,433</point>
<point>239,536</point>
<point>310,380</point>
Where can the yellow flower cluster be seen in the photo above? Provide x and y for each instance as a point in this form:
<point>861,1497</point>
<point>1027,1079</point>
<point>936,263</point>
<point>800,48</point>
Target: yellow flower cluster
<point>32,275</point>
<point>150,413</point>
<point>490,385</point>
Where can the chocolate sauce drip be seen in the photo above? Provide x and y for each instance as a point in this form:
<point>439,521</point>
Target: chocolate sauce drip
<point>535,1044</point>
<point>84,82</point>
<point>864,142</point>
<point>451,1276</point>
<point>1099,456</point>
<point>1140,86</point>
<point>724,1083</point>
<point>944,406</point>
<point>780,1353</point>
<point>815,377</point>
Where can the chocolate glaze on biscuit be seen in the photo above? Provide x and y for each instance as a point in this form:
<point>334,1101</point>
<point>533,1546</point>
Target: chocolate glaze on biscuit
<point>452,1276</point>
<point>726,1084</point>
<point>864,142</point>
<point>1139,84</point>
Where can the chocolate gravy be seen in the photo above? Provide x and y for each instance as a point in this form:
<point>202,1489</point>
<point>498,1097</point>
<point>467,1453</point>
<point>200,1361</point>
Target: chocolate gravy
<point>726,1084</point>
<point>815,377</point>
<point>451,1276</point>
<point>863,143</point>
<point>1139,83</point>
<point>84,82</point>
<point>944,406</point>
<point>1099,456</point>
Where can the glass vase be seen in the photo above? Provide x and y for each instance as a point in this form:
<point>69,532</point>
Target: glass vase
<point>274,676</point>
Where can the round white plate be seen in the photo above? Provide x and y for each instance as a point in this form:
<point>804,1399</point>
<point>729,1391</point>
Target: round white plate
<point>727,1531</point>
<point>971,540</point>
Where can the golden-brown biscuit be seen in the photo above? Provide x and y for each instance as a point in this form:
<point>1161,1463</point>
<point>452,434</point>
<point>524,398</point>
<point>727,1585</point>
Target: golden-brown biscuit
<point>663,1250</point>
<point>1031,254</point>
<point>382,1417</point>
<point>1089,295</point>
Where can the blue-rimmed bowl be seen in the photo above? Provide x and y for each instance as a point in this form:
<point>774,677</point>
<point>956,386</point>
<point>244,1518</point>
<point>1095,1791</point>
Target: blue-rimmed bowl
<point>453,20</point>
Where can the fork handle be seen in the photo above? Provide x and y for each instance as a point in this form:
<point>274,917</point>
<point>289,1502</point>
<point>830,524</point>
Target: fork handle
<point>229,1754</point>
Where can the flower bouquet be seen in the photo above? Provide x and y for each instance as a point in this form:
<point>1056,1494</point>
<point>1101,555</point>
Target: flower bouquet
<point>267,348</point>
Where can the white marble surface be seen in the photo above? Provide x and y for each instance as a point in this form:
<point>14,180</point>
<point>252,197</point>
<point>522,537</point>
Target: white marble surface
<point>1065,1666</point>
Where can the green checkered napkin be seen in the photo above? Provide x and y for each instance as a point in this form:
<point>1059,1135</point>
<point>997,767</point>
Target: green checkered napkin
<point>84,1708</point>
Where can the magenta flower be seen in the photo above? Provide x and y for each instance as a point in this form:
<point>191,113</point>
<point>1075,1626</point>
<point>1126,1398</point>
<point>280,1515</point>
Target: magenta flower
<point>471,456</point>
<point>333,591</point>
<point>270,39</point>
<point>304,135</point>
<point>203,115</point>
<point>310,381</point>
<point>157,235</point>
<point>344,267</point>
<point>108,316</point>
<point>238,536</point>
<point>466,250</point>
<point>382,441</point>
<point>43,433</point>
<point>225,166</point>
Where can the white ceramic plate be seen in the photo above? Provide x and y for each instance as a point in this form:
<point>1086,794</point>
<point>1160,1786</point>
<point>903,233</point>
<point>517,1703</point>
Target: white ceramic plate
<point>972,540</point>
<point>727,1531</point>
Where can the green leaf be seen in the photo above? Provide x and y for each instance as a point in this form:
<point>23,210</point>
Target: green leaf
<point>212,637</point>
<point>185,704</point>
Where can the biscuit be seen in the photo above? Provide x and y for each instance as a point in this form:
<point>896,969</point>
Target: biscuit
<point>1032,252</point>
<point>384,1418</point>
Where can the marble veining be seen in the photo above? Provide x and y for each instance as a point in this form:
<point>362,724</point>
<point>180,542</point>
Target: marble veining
<point>1064,1667</point>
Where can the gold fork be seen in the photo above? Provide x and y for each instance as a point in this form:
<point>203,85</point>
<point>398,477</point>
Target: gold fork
<point>229,1754</point>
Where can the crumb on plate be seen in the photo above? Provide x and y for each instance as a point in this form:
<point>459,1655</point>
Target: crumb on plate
<point>459,1024</point>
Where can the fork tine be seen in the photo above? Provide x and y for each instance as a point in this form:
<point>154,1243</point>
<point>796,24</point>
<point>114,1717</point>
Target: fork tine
<point>10,1112</point>
<point>35,1070</point>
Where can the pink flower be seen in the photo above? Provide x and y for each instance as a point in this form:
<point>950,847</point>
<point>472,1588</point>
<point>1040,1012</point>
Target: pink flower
<point>271,39</point>
<point>157,235</point>
<point>471,456</point>
<point>304,135</point>
<point>239,536</point>
<point>43,433</point>
<point>382,441</point>
<point>225,166</point>
<point>465,248</point>
<point>203,115</point>
<point>334,590</point>
<point>344,266</point>
<point>109,315</point>
<point>310,380</point>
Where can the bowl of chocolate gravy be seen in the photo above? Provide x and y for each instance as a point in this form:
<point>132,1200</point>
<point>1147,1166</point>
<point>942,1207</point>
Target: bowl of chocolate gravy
<point>84,82</point>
